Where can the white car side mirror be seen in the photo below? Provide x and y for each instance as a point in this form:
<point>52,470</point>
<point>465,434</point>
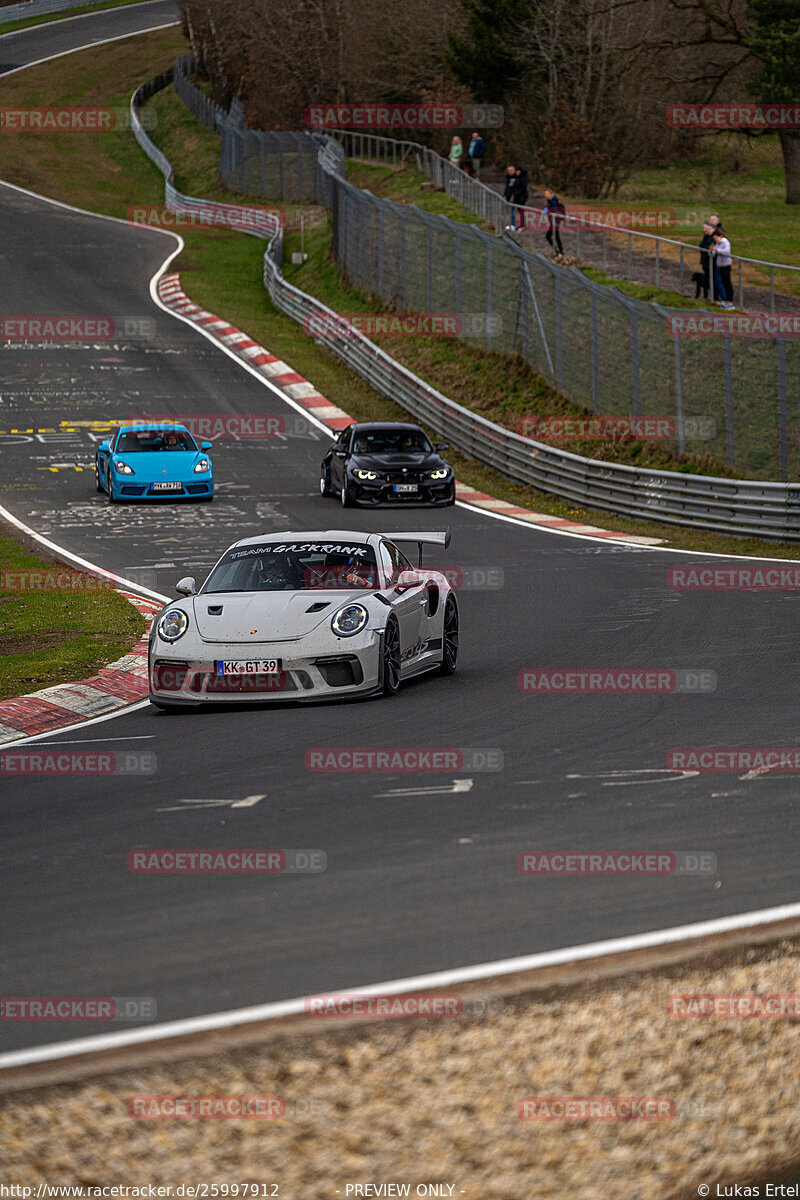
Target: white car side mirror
<point>407,580</point>
<point>186,586</point>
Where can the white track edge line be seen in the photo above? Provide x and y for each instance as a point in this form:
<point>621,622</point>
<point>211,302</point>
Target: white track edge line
<point>89,45</point>
<point>437,979</point>
<point>122,711</point>
<point>97,12</point>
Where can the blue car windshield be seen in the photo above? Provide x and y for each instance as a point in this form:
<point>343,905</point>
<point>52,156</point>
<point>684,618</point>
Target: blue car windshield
<point>294,567</point>
<point>154,439</point>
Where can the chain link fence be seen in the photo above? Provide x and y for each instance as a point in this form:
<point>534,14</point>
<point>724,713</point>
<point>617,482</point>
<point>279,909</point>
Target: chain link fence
<point>734,398</point>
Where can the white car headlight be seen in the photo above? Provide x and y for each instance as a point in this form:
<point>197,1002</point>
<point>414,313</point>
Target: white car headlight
<point>349,620</point>
<point>441,473</point>
<point>203,465</point>
<point>122,467</point>
<point>367,474</point>
<point>173,625</point>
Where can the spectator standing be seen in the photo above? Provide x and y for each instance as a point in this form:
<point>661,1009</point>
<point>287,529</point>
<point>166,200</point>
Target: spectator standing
<point>456,151</point>
<point>701,278</point>
<point>721,250</point>
<point>553,211</point>
<point>476,151</point>
<point>508,186</point>
<point>519,194</point>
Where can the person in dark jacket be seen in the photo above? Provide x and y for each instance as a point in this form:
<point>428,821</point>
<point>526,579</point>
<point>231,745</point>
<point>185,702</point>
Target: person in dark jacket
<point>475,152</point>
<point>701,277</point>
<point>519,194</point>
<point>553,211</point>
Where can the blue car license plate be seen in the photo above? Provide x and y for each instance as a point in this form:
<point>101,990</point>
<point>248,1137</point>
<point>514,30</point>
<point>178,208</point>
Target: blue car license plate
<point>166,487</point>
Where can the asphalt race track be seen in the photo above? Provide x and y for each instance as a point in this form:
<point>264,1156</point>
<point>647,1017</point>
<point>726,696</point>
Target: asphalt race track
<point>421,868</point>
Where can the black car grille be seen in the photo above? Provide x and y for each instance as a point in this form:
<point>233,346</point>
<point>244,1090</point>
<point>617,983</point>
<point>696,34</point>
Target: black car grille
<point>410,477</point>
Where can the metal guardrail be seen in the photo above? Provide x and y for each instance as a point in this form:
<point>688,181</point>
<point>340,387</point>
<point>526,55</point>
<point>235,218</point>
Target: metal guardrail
<point>741,507</point>
<point>482,200</point>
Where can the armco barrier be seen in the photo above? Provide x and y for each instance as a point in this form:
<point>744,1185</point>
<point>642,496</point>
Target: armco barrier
<point>741,507</point>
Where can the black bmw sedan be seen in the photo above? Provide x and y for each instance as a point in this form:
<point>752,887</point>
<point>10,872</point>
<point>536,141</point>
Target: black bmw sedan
<point>381,462</point>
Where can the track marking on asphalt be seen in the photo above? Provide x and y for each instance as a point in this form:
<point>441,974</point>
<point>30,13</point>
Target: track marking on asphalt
<point>88,46</point>
<point>140,737</point>
<point>188,805</point>
<point>457,785</point>
<point>81,16</point>
<point>119,712</point>
<point>437,979</point>
<point>614,778</point>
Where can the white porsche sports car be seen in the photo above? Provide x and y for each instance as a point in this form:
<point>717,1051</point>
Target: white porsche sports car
<point>305,616</point>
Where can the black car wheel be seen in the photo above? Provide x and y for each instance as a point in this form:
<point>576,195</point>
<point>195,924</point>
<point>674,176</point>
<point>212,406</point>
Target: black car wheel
<point>324,481</point>
<point>391,658</point>
<point>450,638</point>
<point>345,496</point>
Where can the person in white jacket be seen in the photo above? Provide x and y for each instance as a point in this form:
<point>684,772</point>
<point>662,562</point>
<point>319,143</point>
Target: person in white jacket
<point>721,252</point>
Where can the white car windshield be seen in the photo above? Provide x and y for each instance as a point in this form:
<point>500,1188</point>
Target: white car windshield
<point>294,567</point>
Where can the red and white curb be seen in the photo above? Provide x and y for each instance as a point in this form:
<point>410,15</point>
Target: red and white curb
<point>302,392</point>
<point>54,708</point>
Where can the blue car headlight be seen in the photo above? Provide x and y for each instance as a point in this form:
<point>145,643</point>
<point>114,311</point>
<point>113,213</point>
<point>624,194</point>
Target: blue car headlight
<point>173,625</point>
<point>349,620</point>
<point>202,466</point>
<point>122,467</point>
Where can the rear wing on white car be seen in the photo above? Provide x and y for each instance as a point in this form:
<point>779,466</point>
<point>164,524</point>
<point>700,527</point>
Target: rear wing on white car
<point>428,538</point>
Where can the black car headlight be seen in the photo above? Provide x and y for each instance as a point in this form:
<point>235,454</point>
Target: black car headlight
<point>349,620</point>
<point>440,473</point>
<point>173,625</point>
<point>367,475</point>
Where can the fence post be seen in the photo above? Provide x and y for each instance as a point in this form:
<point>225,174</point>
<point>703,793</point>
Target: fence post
<point>459,241</point>
<point>783,432</point>
<point>489,291</point>
<point>429,266</point>
<point>680,424</point>
<point>595,356</point>
<point>728,376</point>
<point>637,382</point>
<point>559,330</point>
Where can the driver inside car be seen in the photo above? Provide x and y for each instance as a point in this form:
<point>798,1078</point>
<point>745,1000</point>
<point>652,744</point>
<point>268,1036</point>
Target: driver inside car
<point>274,573</point>
<point>347,571</point>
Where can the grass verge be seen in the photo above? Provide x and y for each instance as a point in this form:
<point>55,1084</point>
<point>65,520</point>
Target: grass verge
<point>108,173</point>
<point>56,623</point>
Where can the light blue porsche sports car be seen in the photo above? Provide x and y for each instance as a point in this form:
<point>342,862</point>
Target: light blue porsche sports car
<point>151,461</point>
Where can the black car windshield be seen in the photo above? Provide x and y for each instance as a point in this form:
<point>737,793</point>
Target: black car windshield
<point>391,441</point>
<point>137,440</point>
<point>294,567</point>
